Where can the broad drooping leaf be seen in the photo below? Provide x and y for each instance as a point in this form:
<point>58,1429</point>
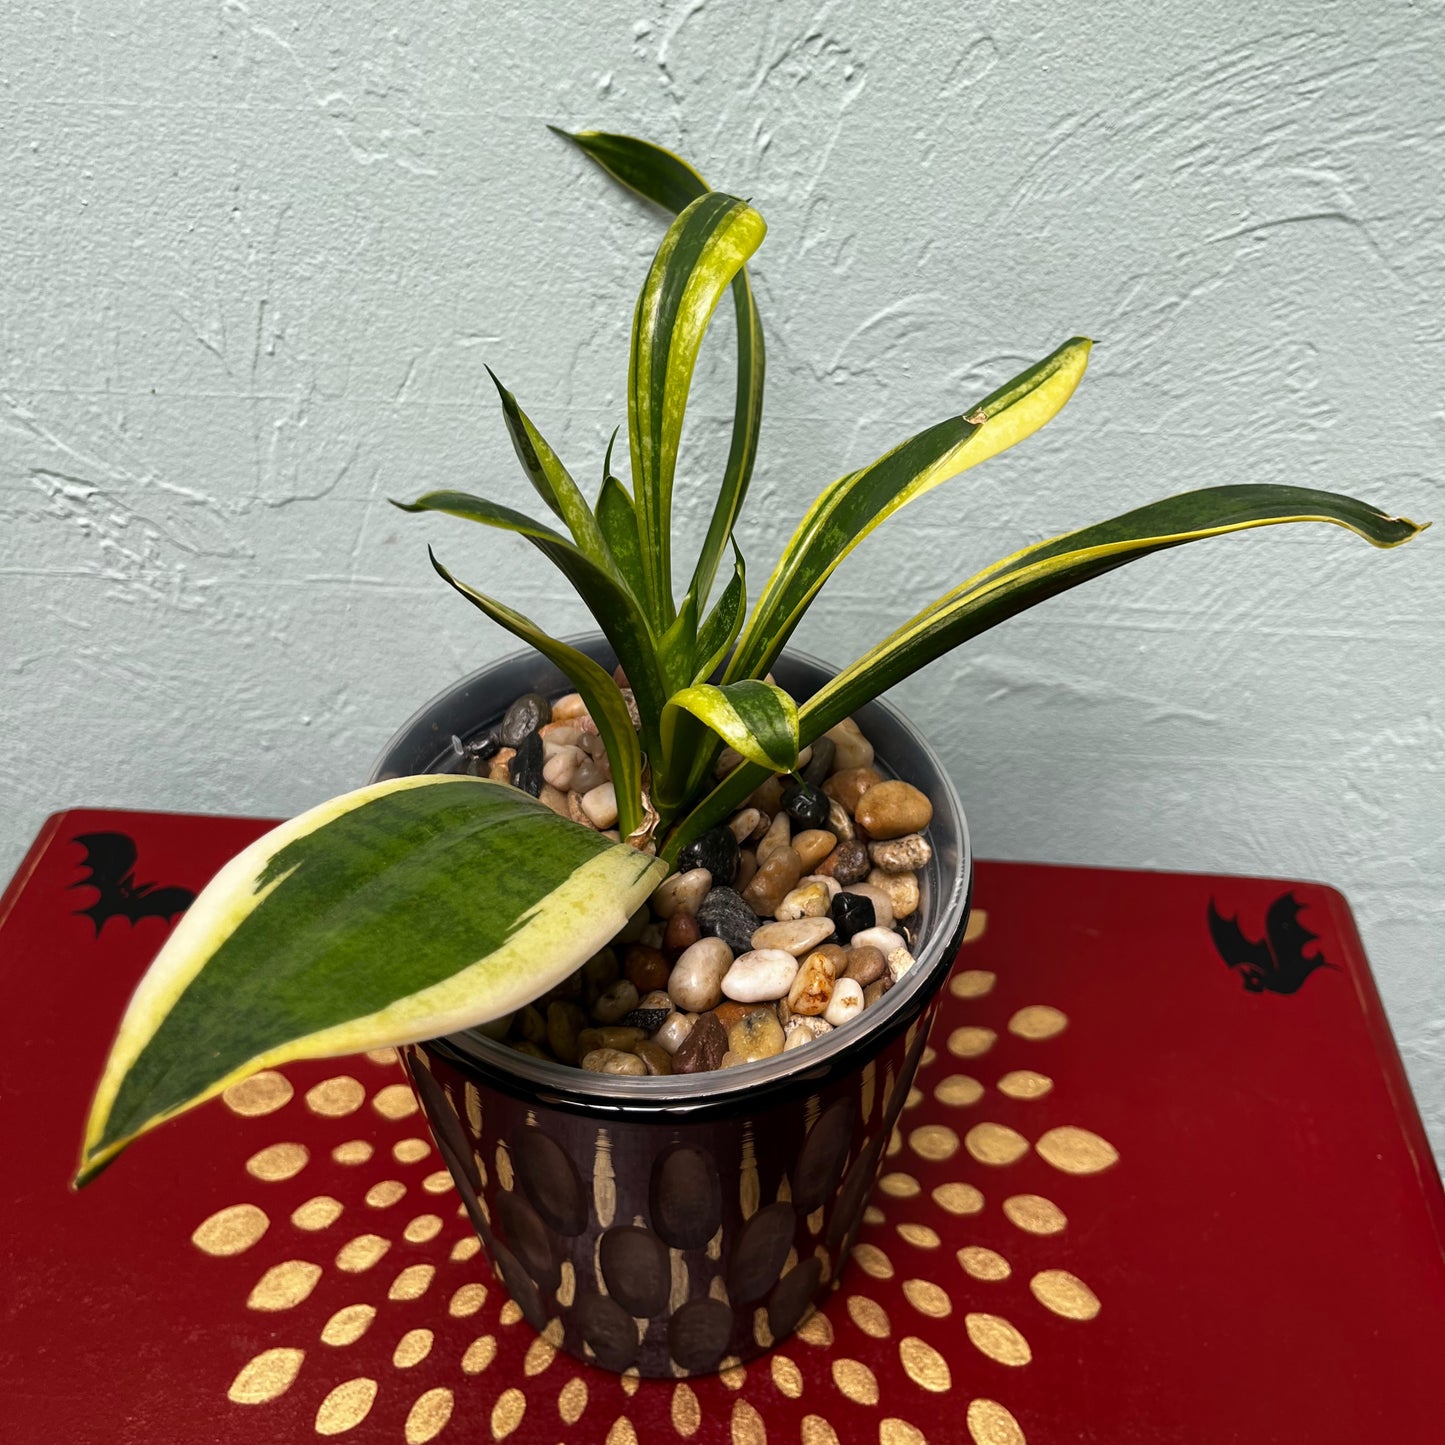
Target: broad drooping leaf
<point>402,911</point>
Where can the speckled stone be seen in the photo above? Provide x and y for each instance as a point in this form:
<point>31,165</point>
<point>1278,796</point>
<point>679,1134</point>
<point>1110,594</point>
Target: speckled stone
<point>892,809</point>
<point>850,863</point>
<point>725,914</point>
<point>812,988</point>
<point>757,1035</point>
<point>901,855</point>
<point>901,888</point>
<point>808,900</point>
<point>717,851</point>
<point>612,1061</point>
<point>703,1048</point>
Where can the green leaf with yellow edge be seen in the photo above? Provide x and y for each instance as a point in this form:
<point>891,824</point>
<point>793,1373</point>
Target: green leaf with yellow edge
<point>1036,573</point>
<point>758,719</point>
<point>704,248</point>
<point>848,510</point>
<point>668,181</point>
<point>617,521</point>
<point>605,704</point>
<point>402,911</point>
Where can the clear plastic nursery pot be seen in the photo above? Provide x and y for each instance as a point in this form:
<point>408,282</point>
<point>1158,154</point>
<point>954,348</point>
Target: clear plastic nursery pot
<point>677,1225</point>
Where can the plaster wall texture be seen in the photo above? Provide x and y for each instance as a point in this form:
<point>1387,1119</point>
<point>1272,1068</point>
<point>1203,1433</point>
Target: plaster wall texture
<point>254,256</point>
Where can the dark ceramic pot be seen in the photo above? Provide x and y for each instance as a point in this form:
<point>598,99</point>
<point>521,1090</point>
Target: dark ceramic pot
<point>674,1226</point>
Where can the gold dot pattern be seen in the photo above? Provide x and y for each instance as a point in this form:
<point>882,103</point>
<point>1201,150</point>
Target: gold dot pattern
<point>873,1215</point>
<point>856,1381</point>
<point>385,1194</point>
<point>284,1286</point>
<point>1076,1151</point>
<point>412,1283</point>
<point>899,1186</point>
<point>346,1406</point>
<point>231,1231</point>
<point>924,1365</point>
<point>1065,1294</point>
<point>1034,1214</point>
<point>467,1300</point>
<point>429,1416</point>
<point>872,1261</point>
<point>817,1431</point>
<point>382,1056</point>
<point>686,1412</point>
<point>410,1151</point>
<point>1038,1021</point>
<point>927,1298</point>
<point>269,1375</point>
<point>995,1144</point>
<point>733,1377</point>
<point>359,1254</point>
<point>422,1228</point>
<point>572,1400</point>
<point>510,1313</point>
<point>469,1246</point>
<point>278,1162</point>
<point>348,1325</point>
<point>958,1198</point>
<point>977,925</point>
<point>984,1263</point>
<point>317,1213</point>
<point>900,1432</point>
<point>354,1151</point>
<point>438,1182</point>
<point>972,983</point>
<point>869,1316</point>
<point>921,1236</point>
<point>396,1101</point>
<point>970,1042</point>
<point>540,1354</point>
<point>507,1413</point>
<point>747,1425</point>
<point>816,1330</point>
<point>958,1091</point>
<point>934,1142</point>
<point>411,1349</point>
<point>990,1424</point>
<point>335,1098</point>
<point>1025,1084</point>
<point>787,1377</point>
<point>994,1336</point>
<point>622,1432</point>
<point>914,1099</point>
<point>480,1353</point>
<point>262,1093</point>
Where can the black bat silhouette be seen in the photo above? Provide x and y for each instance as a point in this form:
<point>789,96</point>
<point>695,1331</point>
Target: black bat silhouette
<point>109,866</point>
<point>1277,962</point>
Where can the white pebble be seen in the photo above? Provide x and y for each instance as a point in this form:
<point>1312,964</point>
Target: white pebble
<point>854,750</point>
<point>798,937</point>
<point>675,1028</point>
<point>804,902</point>
<point>682,891</point>
<point>696,980</point>
<point>846,1003</point>
<point>779,835</point>
<point>759,976</point>
<point>562,766</point>
<point>899,962</point>
<point>742,825</point>
<point>883,939</point>
<point>566,708</point>
<point>600,805</point>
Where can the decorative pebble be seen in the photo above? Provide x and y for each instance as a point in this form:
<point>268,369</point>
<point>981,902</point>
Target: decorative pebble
<point>681,891</point>
<point>866,963</point>
<point>892,809</point>
<point>621,1037</point>
<point>806,804</point>
<point>850,863</point>
<point>813,845</point>
<point>523,718</point>
<point>821,763</point>
<point>649,1020</point>
<point>564,1022</point>
<point>808,900</point>
<point>882,903</point>
<point>846,1002</point>
<point>617,999</point>
<point>885,940</point>
<point>853,749</point>
<point>812,988</point>
<point>703,1048</point>
<point>724,914</point>
<point>674,1030</point>
<point>613,1061</point>
<point>717,851</point>
<point>524,771</point>
<point>852,913</point>
<point>774,880</point>
<point>876,990</point>
<point>757,1035</point>
<point>809,1026</point>
<point>840,822</point>
<point>743,825</point>
<point>647,968</point>
<point>695,983</point>
<point>654,1056</point>
<point>568,707</point>
<point>682,931</point>
<point>901,855</point>
<point>798,935</point>
<point>760,975</point>
<point>654,998</point>
<point>747,868</point>
<point>901,888</point>
<point>848,787</point>
<point>899,962</point>
<point>499,769</point>
<point>560,763</point>
<point>779,835</point>
<point>600,805</point>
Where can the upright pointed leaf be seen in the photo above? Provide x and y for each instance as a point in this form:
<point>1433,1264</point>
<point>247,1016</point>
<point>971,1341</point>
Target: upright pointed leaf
<point>853,506</point>
<point>605,703</point>
<point>703,250</point>
<point>607,599</point>
<point>759,719</point>
<point>407,909</point>
<point>668,181</point>
<point>1044,570</point>
<point>720,627</point>
<point>617,521</point>
<point>553,482</point>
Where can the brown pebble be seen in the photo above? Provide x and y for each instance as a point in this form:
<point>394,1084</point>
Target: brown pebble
<point>747,869</point>
<point>602,968</point>
<point>657,1058</point>
<point>524,1046</point>
<point>866,964</point>
<point>729,1012</point>
<point>892,809</point>
<point>647,968</point>
<point>616,1036</point>
<point>876,990</point>
<point>564,1022</point>
<point>683,930</point>
<point>824,867</point>
<point>555,799</point>
<point>836,954</point>
<point>497,768</point>
<point>703,1048</point>
<point>779,835</point>
<point>812,846</point>
<point>615,1000</point>
<point>773,881</point>
<point>529,1023</point>
<point>767,797</point>
<point>850,785</point>
<point>611,1061</point>
<point>840,822</point>
<point>850,863</point>
<point>901,888</point>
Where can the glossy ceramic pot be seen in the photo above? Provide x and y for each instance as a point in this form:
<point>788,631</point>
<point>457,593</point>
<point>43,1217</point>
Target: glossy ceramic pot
<point>677,1225</point>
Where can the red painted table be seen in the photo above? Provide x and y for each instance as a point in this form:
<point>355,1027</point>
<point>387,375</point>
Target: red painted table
<point>1139,1196</point>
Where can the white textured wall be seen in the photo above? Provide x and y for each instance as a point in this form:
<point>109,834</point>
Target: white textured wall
<point>253,257</point>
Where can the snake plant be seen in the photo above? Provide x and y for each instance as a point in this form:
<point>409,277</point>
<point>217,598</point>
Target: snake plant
<point>423,905</point>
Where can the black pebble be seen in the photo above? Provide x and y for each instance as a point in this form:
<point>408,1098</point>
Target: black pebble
<point>717,851</point>
<point>525,769</point>
<point>650,1019</point>
<point>724,915</point>
<point>821,763</point>
<point>524,716</point>
<point>805,803</point>
<point>852,913</point>
<point>477,751</point>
